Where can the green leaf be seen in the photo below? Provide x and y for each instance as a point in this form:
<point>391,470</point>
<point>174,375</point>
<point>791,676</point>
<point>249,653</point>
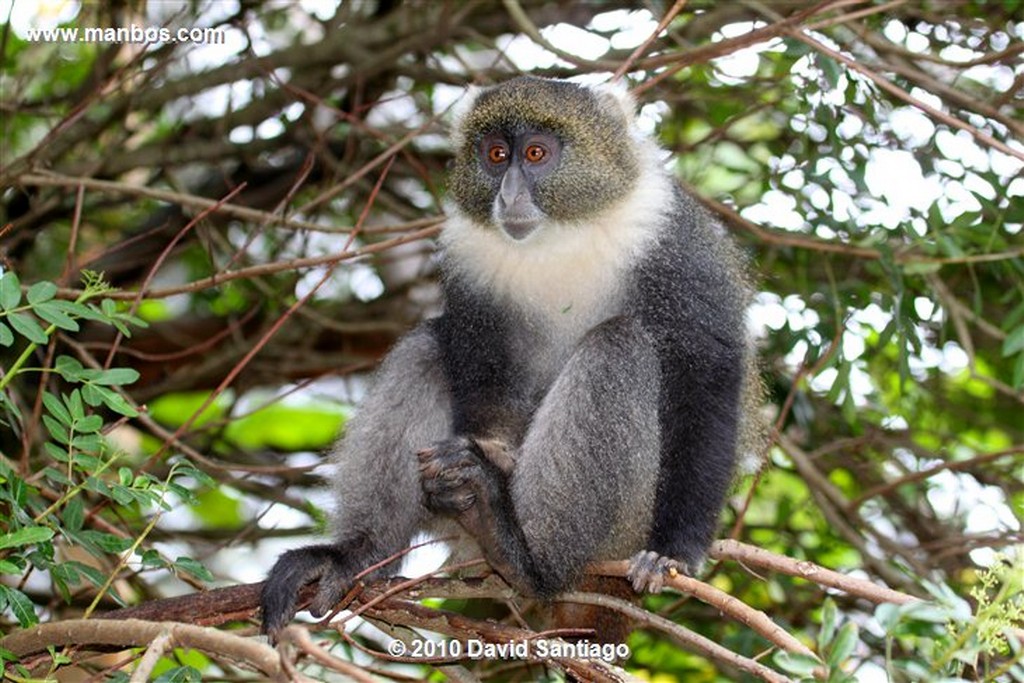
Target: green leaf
<point>184,468</point>
<point>10,291</point>
<point>54,475</point>
<point>97,485</point>
<point>91,395</point>
<point>25,536</point>
<point>829,624</point>
<point>56,408</point>
<point>1014,342</point>
<point>89,443</point>
<point>801,665</point>
<point>122,495</point>
<point>89,425</point>
<point>27,327</point>
<point>6,336</point>
<point>41,292</point>
<point>132,320</point>
<point>190,566</point>
<point>152,559</point>
<point>116,403</point>
<point>88,463</point>
<point>93,575</point>
<point>75,405</point>
<point>181,674</point>
<point>56,452</point>
<point>95,394</point>
<point>842,648</point>
<point>55,316</point>
<point>290,428</point>
<point>831,70</point>
<point>71,308</point>
<point>87,311</point>
<point>68,368</point>
<point>74,514</point>
<point>8,567</point>
<point>888,615</point>
<point>113,377</point>
<point>108,542</point>
<point>58,432</point>
<point>921,268</point>
<point>64,575</point>
<point>19,604</point>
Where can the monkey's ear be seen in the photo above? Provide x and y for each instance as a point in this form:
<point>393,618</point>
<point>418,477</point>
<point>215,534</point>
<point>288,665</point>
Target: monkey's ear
<point>616,95</point>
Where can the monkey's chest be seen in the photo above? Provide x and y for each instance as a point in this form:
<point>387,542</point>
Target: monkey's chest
<point>540,350</point>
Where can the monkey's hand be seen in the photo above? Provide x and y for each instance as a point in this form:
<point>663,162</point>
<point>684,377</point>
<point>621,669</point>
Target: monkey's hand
<point>455,474</point>
<point>648,569</point>
<point>460,479</point>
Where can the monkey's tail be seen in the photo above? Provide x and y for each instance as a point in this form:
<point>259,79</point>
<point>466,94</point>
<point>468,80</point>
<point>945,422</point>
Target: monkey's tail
<point>755,422</point>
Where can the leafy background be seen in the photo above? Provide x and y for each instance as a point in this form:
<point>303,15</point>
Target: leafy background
<point>206,247</point>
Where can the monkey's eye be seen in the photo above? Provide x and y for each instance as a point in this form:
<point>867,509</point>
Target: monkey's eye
<point>535,154</point>
<point>497,154</point>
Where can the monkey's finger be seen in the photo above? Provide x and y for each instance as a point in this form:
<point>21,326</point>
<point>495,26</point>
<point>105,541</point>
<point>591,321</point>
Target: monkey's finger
<point>332,588</point>
<point>443,496</point>
<point>647,571</point>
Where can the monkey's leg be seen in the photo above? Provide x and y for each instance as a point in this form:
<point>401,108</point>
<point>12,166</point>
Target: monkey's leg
<point>377,483</point>
<point>699,439</point>
<point>583,481</point>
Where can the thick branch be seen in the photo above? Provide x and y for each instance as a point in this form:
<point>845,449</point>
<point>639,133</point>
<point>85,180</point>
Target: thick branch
<point>138,633</point>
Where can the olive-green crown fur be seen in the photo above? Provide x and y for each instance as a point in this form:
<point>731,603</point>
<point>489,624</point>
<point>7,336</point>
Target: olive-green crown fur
<point>601,154</point>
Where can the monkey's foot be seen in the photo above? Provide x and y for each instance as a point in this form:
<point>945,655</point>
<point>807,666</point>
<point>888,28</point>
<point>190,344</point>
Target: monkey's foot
<point>648,569</point>
<point>452,475</point>
<point>294,569</point>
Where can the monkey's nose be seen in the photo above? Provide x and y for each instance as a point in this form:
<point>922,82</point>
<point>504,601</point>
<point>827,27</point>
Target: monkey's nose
<point>514,188</point>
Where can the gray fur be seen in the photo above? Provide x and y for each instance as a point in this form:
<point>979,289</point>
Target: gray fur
<point>579,397</point>
<point>408,408</point>
<point>584,481</point>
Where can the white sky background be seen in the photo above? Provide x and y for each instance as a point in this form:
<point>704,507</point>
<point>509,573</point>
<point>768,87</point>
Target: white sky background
<point>894,177</point>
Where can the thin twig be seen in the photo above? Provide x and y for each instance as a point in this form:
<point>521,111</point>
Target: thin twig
<point>734,608</point>
<point>642,48</point>
<point>752,555</point>
<point>903,95</point>
<point>694,642</point>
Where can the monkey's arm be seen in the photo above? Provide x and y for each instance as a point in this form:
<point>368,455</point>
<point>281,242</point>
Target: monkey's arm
<point>583,480</point>
<point>703,363</point>
<point>377,489</point>
<point>475,337</point>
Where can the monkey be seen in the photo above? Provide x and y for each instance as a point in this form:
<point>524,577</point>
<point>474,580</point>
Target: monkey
<point>579,396</point>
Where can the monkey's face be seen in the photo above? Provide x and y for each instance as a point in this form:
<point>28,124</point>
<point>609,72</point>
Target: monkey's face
<point>518,165</point>
<point>533,154</point>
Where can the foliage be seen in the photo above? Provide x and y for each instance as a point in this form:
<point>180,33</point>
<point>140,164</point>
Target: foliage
<point>263,208</point>
<point>944,639</point>
<point>45,514</point>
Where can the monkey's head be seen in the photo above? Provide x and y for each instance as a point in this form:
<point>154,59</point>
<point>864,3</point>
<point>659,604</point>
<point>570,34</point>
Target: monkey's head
<point>533,150</point>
